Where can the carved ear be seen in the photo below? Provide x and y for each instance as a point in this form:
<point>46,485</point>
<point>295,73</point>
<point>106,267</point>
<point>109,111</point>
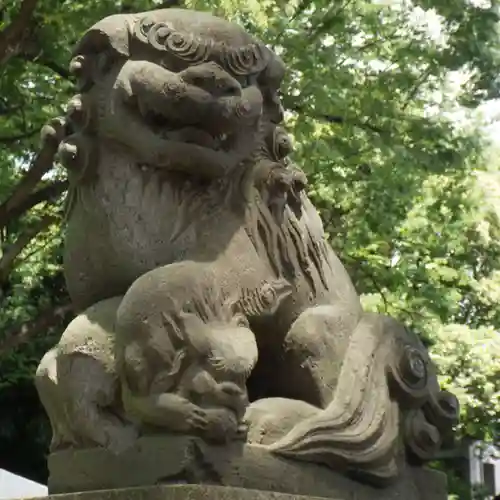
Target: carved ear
<point>165,381</point>
<point>283,289</point>
<point>273,294</point>
<point>235,312</point>
<point>231,306</point>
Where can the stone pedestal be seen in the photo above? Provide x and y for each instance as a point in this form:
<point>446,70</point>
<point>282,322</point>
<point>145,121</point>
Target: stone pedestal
<point>182,492</point>
<point>235,471</point>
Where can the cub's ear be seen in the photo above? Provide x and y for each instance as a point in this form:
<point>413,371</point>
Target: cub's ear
<point>231,307</point>
<point>272,294</point>
<point>165,380</point>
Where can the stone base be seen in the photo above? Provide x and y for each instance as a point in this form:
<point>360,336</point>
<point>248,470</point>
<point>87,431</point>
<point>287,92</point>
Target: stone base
<point>183,460</point>
<point>181,492</point>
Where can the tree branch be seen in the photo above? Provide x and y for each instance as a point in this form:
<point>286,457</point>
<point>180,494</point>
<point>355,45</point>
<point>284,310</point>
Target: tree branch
<point>12,252</point>
<point>417,85</point>
<point>47,319</point>
<point>14,36</point>
<point>42,164</point>
<point>34,54</point>
<point>46,193</point>
<point>169,4</point>
<point>56,68</point>
<point>128,6</point>
<point>328,19</point>
<point>377,287</point>
<point>8,110</point>
<point>19,137</point>
<point>298,108</point>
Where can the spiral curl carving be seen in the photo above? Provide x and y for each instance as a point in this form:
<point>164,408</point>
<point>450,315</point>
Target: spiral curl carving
<point>443,410</point>
<point>158,35</point>
<point>428,413</point>
<point>413,368</point>
<point>422,438</point>
<point>188,47</point>
<point>142,29</point>
<point>409,375</point>
<point>243,60</point>
<point>239,61</point>
<point>163,37</point>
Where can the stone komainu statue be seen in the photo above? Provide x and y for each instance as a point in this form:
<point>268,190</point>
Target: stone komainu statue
<point>210,307</point>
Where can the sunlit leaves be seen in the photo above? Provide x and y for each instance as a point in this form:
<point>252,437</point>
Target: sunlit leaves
<point>462,354</point>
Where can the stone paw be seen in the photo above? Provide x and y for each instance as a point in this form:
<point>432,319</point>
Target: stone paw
<point>197,419</point>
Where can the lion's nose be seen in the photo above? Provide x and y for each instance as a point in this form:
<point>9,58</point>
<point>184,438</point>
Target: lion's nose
<point>211,78</point>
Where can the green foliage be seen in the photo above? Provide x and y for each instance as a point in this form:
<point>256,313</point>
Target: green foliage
<point>35,87</point>
<point>408,196</point>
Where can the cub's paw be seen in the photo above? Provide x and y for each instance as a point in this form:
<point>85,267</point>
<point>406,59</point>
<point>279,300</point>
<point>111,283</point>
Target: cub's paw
<point>197,419</point>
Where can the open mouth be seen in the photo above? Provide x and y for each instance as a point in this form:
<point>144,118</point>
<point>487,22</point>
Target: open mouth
<point>190,133</point>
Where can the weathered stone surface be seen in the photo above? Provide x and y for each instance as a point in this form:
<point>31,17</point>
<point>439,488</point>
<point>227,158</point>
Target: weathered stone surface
<point>210,303</point>
<point>157,460</point>
<point>184,492</point>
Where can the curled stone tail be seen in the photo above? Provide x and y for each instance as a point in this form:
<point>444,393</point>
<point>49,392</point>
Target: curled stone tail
<point>357,432</point>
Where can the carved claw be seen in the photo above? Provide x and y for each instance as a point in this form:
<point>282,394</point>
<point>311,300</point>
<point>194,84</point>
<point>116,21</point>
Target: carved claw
<point>197,419</point>
<point>299,179</point>
<point>286,181</point>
